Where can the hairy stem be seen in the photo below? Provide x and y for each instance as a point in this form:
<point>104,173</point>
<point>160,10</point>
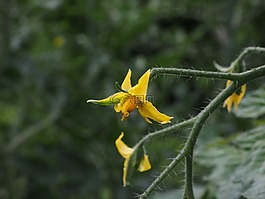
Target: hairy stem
<point>166,131</point>
<point>190,72</point>
<point>239,79</point>
<point>217,75</point>
<point>246,52</point>
<point>209,74</point>
<point>188,147</point>
<point>188,191</point>
<point>199,121</point>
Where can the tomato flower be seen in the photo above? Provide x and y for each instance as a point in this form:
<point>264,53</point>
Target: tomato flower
<point>235,98</point>
<point>126,152</point>
<point>130,98</point>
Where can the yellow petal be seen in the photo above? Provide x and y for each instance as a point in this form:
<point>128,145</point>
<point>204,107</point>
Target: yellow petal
<point>126,84</point>
<point>144,164</point>
<point>228,103</point>
<point>123,149</point>
<point>113,99</point>
<point>140,89</point>
<point>234,98</point>
<point>147,110</point>
<point>242,93</point>
<point>125,168</point>
<point>117,107</point>
<point>228,82</point>
<point>126,153</point>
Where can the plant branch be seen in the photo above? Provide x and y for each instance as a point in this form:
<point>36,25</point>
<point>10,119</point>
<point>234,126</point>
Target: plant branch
<point>210,74</point>
<point>190,72</point>
<point>189,145</point>
<point>188,190</point>
<point>217,75</point>
<point>165,131</point>
<point>246,52</point>
<point>199,121</point>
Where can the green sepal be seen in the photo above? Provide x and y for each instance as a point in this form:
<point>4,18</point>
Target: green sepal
<point>134,163</point>
<point>221,68</point>
<point>118,87</point>
<point>113,99</point>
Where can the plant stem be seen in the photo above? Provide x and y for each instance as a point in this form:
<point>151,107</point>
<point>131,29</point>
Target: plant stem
<point>188,147</point>
<point>246,52</point>
<point>210,74</point>
<point>190,72</point>
<point>239,79</point>
<point>188,191</point>
<point>199,121</point>
<point>260,71</point>
<point>165,131</point>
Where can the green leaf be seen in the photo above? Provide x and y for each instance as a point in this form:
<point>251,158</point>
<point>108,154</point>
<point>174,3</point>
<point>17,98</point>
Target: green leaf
<point>238,168</point>
<point>253,104</point>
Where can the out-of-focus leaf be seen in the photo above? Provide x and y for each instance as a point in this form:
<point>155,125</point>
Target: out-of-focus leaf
<point>252,105</point>
<point>172,194</point>
<point>168,195</point>
<point>238,164</point>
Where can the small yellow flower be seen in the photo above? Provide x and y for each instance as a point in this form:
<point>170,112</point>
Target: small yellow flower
<point>131,98</point>
<point>126,153</point>
<point>235,98</point>
<point>58,41</point>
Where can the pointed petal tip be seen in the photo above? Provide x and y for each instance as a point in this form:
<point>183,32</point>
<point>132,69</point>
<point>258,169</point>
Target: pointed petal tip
<point>126,84</point>
<point>119,138</point>
<point>167,121</point>
<point>90,100</point>
<point>220,68</point>
<point>126,184</point>
<point>145,164</point>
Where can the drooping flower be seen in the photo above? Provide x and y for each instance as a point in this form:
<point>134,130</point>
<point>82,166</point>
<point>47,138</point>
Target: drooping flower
<point>235,98</point>
<point>126,152</point>
<point>130,98</point>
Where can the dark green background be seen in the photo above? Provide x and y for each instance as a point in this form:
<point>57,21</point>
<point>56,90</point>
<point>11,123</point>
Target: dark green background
<point>55,145</point>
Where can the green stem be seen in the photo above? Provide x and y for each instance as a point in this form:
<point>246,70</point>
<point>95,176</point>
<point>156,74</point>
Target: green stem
<point>188,147</point>
<point>199,120</point>
<point>188,191</point>
<point>190,72</point>
<point>252,74</point>
<point>208,74</point>
<point>165,131</point>
<point>246,52</point>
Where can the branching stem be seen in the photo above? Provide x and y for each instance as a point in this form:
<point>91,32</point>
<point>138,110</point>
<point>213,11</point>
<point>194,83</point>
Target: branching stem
<point>166,131</point>
<point>207,74</point>
<point>239,79</point>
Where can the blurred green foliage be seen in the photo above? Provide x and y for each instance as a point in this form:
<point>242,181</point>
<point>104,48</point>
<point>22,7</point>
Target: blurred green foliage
<point>56,54</point>
<point>238,165</point>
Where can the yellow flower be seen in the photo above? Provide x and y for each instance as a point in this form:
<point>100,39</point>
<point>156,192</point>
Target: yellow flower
<point>130,98</point>
<point>58,41</point>
<point>235,98</point>
<point>126,153</point>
